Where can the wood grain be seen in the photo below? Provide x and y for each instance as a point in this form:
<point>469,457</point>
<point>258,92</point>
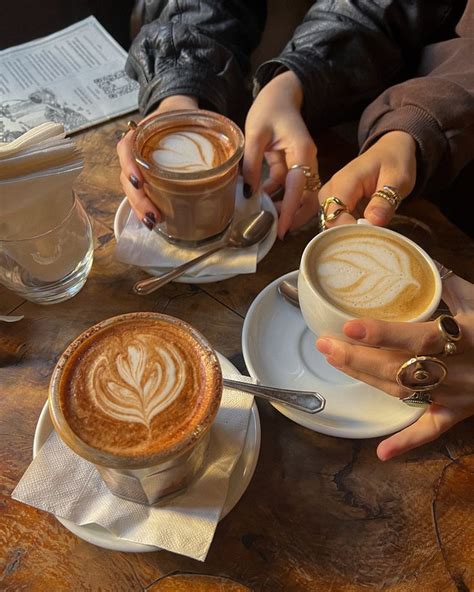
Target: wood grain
<point>320,514</point>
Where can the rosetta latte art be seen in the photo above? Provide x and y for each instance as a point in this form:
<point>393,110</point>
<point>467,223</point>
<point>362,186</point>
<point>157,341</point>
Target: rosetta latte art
<point>139,383</point>
<point>364,275</point>
<point>185,151</point>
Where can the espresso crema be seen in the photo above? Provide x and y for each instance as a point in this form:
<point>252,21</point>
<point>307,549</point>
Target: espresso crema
<point>188,149</point>
<point>140,387</point>
<point>368,274</point>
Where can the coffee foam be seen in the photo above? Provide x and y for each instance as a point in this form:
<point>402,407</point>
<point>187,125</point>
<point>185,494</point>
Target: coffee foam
<point>367,274</point>
<point>185,151</point>
<point>139,388</point>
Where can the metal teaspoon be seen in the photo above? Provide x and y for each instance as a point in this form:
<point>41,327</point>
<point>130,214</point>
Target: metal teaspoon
<point>307,401</point>
<point>245,233</point>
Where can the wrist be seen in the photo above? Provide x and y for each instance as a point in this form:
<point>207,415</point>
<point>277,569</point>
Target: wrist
<point>403,139</point>
<point>288,87</point>
<point>179,102</point>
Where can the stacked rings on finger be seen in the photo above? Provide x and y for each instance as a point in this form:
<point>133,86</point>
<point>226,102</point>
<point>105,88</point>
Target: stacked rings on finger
<point>324,216</point>
<point>421,374</point>
<point>450,332</point>
<point>313,182</point>
<point>389,194</point>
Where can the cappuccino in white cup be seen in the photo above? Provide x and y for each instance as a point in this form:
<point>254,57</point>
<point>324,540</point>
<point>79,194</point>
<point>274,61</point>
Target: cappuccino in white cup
<point>359,270</point>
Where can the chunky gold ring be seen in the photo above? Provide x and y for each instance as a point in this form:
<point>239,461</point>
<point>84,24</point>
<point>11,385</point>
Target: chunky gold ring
<point>132,124</point>
<point>324,217</point>
<point>389,194</point>
<point>418,399</point>
<point>450,332</point>
<point>313,182</point>
<point>421,373</point>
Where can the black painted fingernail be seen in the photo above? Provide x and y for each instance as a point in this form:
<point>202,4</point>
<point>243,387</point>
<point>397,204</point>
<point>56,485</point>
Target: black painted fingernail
<point>149,220</point>
<point>247,191</point>
<point>134,181</point>
<point>151,216</point>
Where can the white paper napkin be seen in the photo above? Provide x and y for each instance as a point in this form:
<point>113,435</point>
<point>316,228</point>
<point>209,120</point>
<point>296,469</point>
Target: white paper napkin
<point>138,246</point>
<point>60,482</point>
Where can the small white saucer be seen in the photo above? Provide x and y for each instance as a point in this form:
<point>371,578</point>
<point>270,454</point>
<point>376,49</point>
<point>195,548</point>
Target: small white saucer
<point>121,217</point>
<point>280,350</point>
<point>238,483</point>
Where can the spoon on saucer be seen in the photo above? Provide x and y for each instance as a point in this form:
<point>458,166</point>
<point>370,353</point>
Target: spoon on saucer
<point>307,401</point>
<point>247,232</point>
<point>289,291</point>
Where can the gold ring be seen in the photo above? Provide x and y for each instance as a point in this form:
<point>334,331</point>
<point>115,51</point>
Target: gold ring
<point>313,182</point>
<point>324,217</point>
<point>418,399</point>
<point>421,373</point>
<point>390,196</point>
<point>450,332</point>
<point>132,124</point>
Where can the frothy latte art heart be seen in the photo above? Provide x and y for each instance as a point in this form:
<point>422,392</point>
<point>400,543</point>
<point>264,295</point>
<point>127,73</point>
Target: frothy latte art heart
<point>368,274</point>
<point>188,149</point>
<point>144,386</point>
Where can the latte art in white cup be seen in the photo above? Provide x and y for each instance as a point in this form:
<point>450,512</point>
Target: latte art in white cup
<point>365,271</point>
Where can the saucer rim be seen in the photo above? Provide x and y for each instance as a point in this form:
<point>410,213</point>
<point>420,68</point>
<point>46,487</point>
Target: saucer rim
<point>263,248</point>
<point>250,322</point>
<point>246,465</point>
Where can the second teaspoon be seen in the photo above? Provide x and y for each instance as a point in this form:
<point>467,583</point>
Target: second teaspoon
<point>307,401</point>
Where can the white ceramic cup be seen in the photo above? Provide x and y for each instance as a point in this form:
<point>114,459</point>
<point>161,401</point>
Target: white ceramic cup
<point>325,318</point>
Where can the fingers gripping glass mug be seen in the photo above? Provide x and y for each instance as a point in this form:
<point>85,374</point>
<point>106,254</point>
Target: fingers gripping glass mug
<point>189,160</point>
<point>359,270</point>
<point>53,265</point>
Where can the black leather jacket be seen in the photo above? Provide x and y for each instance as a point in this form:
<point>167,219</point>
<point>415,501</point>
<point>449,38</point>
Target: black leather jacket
<point>408,63</point>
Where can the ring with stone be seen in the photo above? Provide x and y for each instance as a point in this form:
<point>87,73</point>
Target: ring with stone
<point>450,331</point>
<point>389,194</point>
<point>421,373</point>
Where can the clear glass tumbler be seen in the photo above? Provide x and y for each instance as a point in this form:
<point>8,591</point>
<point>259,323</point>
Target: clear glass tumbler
<point>52,266</point>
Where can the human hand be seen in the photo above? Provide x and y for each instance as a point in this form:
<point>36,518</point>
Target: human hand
<point>390,161</point>
<point>274,128</point>
<point>130,176</point>
<point>384,346</point>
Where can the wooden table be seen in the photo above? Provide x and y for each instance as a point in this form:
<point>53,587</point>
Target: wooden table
<point>320,513</point>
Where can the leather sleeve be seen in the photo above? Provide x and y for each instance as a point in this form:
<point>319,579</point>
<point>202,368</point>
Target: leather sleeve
<point>199,48</point>
<point>346,53</point>
<point>436,108</point>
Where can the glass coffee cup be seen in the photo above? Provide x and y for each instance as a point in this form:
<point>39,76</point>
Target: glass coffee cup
<point>360,270</point>
<point>136,395</point>
<point>189,160</point>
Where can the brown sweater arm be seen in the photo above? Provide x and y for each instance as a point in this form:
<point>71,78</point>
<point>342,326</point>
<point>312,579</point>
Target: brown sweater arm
<point>437,109</point>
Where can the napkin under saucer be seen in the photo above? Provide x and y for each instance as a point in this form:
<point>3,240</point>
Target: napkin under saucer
<point>186,524</point>
<point>138,246</point>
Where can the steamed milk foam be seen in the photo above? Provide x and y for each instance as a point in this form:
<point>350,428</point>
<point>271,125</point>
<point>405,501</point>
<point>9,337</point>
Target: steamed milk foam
<point>189,150</point>
<point>368,274</point>
<point>139,388</point>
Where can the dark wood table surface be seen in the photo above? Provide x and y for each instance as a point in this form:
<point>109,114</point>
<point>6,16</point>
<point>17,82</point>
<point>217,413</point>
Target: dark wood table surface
<point>320,513</point>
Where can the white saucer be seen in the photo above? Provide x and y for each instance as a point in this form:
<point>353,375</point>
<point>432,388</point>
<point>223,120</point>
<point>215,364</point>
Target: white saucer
<point>239,480</point>
<point>121,217</point>
<point>279,350</point>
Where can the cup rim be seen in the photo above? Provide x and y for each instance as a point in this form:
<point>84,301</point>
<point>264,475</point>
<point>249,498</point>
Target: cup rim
<point>75,201</point>
<point>426,257</point>
<point>109,459</point>
<point>161,173</point>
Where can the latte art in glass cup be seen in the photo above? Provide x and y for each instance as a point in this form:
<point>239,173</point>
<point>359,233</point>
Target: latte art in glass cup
<point>355,271</point>
<point>189,160</point>
<point>136,395</point>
